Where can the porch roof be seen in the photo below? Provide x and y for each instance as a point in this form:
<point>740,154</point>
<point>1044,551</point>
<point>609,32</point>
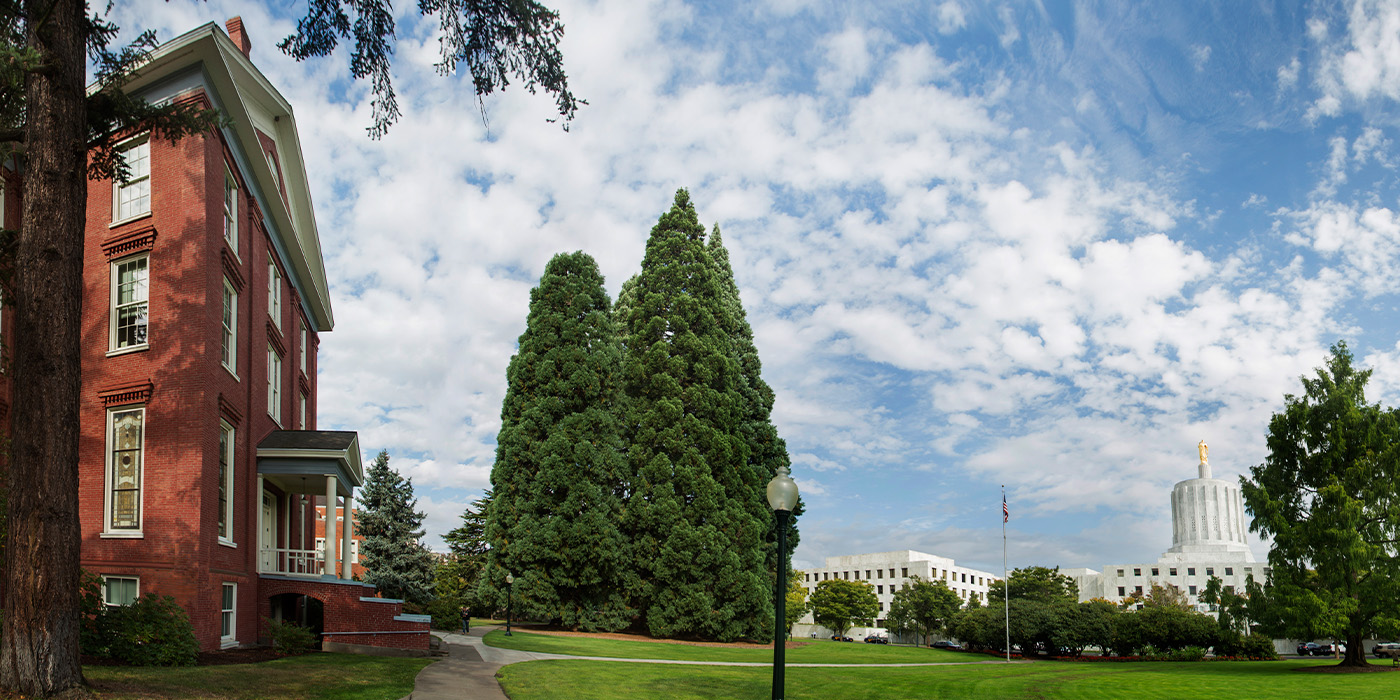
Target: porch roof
<point>309,453</point>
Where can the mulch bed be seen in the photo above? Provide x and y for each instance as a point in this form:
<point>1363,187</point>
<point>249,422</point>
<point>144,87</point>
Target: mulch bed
<point>1369,668</point>
<point>635,637</point>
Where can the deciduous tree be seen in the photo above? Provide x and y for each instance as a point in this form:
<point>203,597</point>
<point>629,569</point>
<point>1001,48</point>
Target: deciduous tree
<point>1327,495</point>
<point>555,515</point>
<point>923,606</point>
<point>838,604</point>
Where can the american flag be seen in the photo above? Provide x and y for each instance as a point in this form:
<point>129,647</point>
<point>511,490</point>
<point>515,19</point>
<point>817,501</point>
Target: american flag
<point>1005,512</point>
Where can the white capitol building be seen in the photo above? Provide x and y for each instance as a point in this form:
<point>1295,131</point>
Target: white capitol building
<point>1209,538</point>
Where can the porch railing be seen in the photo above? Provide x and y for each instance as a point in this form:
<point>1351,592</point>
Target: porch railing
<point>293,562</point>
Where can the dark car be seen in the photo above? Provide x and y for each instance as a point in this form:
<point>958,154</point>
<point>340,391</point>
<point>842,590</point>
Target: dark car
<point>876,639</point>
<point>839,638</point>
<point>1331,649</point>
<point>951,646</point>
<point>1309,649</point>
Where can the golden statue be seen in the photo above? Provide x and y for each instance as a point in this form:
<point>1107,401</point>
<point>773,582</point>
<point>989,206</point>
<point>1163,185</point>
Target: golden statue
<point>1203,449</point>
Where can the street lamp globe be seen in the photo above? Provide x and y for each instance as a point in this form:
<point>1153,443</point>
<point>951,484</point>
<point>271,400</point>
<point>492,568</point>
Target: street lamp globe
<point>782,491</point>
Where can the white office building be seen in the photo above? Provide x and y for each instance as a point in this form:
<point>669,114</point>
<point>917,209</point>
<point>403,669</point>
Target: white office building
<point>888,572</point>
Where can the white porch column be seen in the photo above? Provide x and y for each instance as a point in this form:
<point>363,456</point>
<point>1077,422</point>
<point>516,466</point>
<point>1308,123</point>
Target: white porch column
<point>330,566</point>
<point>349,529</point>
<point>262,557</point>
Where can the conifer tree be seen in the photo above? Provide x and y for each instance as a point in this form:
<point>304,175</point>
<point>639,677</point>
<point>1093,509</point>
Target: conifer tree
<point>554,517</point>
<point>767,451</point>
<point>697,546</point>
<point>395,561</point>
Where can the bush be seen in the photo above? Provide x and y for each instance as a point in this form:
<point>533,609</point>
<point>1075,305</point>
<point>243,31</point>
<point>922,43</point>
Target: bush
<point>152,631</point>
<point>1191,653</point>
<point>1255,647</point>
<point>290,638</point>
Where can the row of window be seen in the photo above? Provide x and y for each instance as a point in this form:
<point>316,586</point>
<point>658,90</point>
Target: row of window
<point>951,575</point>
<point>1190,571</point>
<point>124,590</point>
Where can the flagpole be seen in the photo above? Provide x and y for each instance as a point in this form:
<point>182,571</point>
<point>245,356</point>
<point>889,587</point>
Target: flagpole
<point>1005,581</point>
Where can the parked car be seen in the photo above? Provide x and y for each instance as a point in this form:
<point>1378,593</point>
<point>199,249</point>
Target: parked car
<point>839,638</point>
<point>1331,649</point>
<point>876,639</point>
<point>951,646</point>
<point>1309,649</point>
<point>1387,650</point>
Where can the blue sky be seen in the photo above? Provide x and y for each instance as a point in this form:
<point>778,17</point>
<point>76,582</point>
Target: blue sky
<point>1046,245</point>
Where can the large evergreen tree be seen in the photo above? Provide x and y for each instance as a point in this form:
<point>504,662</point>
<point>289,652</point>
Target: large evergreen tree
<point>767,451</point>
<point>554,518</point>
<point>697,561</point>
<point>395,560</point>
<point>1327,495</point>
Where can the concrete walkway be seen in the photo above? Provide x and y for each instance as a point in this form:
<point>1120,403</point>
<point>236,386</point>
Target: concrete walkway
<point>469,671</point>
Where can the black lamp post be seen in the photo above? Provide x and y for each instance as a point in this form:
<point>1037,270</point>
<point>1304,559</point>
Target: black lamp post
<point>510,583</point>
<point>782,496</point>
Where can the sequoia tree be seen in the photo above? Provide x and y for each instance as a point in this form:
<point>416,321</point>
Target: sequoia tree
<point>395,560</point>
<point>767,451</point>
<point>1327,495</point>
<point>697,564</point>
<point>554,517</point>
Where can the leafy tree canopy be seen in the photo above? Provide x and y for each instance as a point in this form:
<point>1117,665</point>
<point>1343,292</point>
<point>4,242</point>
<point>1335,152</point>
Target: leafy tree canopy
<point>923,606</point>
<point>839,604</point>
<point>1036,583</point>
<point>1327,496</point>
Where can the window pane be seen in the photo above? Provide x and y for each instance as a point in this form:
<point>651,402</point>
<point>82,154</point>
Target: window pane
<point>126,469</point>
<point>225,444</point>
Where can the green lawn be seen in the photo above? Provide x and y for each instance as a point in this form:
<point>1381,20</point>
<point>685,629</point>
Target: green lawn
<point>312,676</point>
<point>1045,680</point>
<point>816,652</point>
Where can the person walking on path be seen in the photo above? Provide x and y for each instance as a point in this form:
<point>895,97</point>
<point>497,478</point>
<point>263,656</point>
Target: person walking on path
<point>466,619</point>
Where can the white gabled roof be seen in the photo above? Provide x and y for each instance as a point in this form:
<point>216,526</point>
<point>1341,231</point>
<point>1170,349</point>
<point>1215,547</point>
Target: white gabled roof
<point>241,90</point>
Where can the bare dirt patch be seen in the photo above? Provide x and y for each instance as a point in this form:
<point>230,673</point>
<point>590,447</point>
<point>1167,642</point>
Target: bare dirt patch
<point>634,637</point>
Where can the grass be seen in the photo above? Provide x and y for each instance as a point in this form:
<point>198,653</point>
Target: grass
<point>816,652</point>
<point>319,676</point>
<point>1046,680</point>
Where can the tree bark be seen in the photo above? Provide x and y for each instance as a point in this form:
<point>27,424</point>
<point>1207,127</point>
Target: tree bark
<point>41,624</point>
<point>1356,652</point>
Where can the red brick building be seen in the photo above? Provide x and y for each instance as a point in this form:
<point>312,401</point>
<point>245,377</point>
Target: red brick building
<point>204,298</point>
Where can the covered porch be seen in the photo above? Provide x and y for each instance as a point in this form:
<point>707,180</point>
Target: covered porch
<point>295,467</point>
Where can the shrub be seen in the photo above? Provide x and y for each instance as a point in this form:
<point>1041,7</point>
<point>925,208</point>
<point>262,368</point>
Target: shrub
<point>290,638</point>
<point>152,631</point>
<point>1191,653</point>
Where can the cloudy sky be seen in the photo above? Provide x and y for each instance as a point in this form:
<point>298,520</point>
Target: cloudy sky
<point>1047,245</point>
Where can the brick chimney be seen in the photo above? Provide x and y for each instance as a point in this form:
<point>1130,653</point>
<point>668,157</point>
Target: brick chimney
<point>240,37</point>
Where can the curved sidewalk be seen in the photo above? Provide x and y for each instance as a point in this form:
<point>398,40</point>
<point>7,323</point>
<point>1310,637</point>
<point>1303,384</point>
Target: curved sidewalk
<point>469,671</point>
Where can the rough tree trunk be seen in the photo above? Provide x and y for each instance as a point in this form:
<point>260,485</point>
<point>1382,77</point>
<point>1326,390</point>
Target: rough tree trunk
<point>39,654</point>
<point>1356,653</point>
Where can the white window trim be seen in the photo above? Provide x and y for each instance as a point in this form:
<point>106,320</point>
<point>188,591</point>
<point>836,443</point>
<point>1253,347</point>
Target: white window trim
<point>303,346</point>
<point>302,424</point>
<point>229,481</point>
<point>274,385</point>
<point>2,196</point>
<point>231,231</point>
<point>230,331</point>
<point>112,311</point>
<point>274,293</point>
<point>129,144</point>
<point>105,578</point>
<point>230,639</point>
<point>107,530</point>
